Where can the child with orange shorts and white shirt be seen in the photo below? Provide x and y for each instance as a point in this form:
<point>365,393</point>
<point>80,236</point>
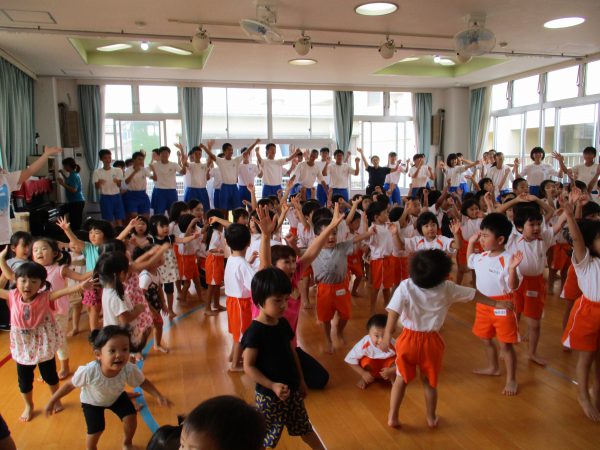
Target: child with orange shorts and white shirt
<point>366,357</point>
<point>583,329</point>
<point>381,245</point>
<point>497,278</point>
<point>330,271</point>
<point>421,303</point>
<point>215,262</point>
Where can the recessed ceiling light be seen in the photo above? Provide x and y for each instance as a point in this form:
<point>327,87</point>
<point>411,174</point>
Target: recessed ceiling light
<point>564,22</point>
<point>376,8</point>
<point>410,58</point>
<point>174,50</point>
<point>144,46</point>
<point>113,47</point>
<point>302,61</point>
<point>446,62</point>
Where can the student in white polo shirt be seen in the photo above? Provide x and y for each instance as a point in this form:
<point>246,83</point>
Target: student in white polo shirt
<point>537,172</point>
<point>305,175</point>
<point>583,172</point>
<point>271,169</point>
<point>196,177</point>
<point>321,164</point>
<point>164,193</point>
<point>247,171</point>
<point>136,199</point>
<point>108,181</point>
<point>339,174</point>
<point>229,197</point>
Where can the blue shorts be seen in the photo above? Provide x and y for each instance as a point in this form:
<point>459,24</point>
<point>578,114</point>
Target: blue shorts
<point>340,191</point>
<point>136,202</point>
<point>321,195</point>
<point>244,194</point>
<point>534,190</point>
<point>111,207</point>
<point>270,190</point>
<point>415,191</point>
<point>217,199</point>
<point>162,199</point>
<point>395,198</point>
<point>229,198</point>
<point>465,187</point>
<point>296,190</point>
<point>198,194</point>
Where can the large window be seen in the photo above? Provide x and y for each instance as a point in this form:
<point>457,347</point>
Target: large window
<point>247,112</point>
<point>159,99</point>
<point>576,128</point>
<point>368,103</point>
<point>525,91</point>
<point>118,99</point>
<point>562,84</point>
<point>214,112</point>
<point>499,97</point>
<point>302,113</point>
<point>593,78</point>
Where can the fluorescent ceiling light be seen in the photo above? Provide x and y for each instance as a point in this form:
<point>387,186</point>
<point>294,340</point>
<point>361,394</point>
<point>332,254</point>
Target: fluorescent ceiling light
<point>144,46</point>
<point>175,50</point>
<point>564,22</point>
<point>446,62</point>
<point>302,61</point>
<point>410,58</point>
<point>113,47</point>
<point>376,8</point>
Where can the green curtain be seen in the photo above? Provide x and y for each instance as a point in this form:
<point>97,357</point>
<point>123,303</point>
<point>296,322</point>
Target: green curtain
<point>343,115</point>
<point>479,116</point>
<point>192,115</point>
<point>90,110</point>
<point>17,130</point>
<point>423,107</point>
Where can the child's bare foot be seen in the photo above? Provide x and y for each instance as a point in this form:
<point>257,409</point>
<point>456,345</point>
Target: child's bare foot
<point>58,407</point>
<point>64,373</point>
<point>432,421</point>
<point>341,339</point>
<point>172,314</point>
<point>510,389</point>
<point>489,371</point>
<point>536,359</point>
<point>235,368</point>
<point>329,349</point>
<point>589,410</point>
<point>138,406</point>
<point>219,308</point>
<point>211,312</point>
<point>160,348</point>
<point>27,414</point>
<point>394,422</point>
<point>73,332</point>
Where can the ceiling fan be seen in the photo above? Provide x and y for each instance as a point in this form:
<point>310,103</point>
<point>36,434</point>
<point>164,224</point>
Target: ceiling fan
<point>475,40</point>
<point>263,28</point>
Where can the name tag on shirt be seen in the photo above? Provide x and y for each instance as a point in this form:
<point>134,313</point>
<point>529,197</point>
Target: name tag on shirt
<point>531,294</point>
<point>500,312</point>
<point>340,292</point>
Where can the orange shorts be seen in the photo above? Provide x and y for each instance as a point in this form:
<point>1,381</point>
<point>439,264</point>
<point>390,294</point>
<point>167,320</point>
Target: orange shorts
<point>561,256</point>
<point>571,290</point>
<point>400,269</point>
<point>501,323</point>
<point>188,267</point>
<point>531,296</point>
<point>239,316</point>
<point>294,231</point>
<point>375,366</point>
<point>424,350</point>
<point>461,254</point>
<point>215,268</point>
<point>332,298</point>
<point>583,328</point>
<point>355,266</point>
<point>382,272</point>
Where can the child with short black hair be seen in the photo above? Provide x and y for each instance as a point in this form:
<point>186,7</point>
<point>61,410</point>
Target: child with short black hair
<point>215,261</point>
<point>271,361</point>
<point>381,246</point>
<point>421,303</point>
<point>19,249</point>
<point>223,423</point>
<point>366,357</point>
<point>108,181</point>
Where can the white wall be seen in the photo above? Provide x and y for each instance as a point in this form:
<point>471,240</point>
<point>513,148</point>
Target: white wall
<point>456,131</point>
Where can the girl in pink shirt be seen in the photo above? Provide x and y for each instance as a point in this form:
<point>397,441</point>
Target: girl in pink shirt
<point>34,334</point>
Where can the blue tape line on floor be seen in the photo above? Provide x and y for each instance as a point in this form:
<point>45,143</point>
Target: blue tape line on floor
<point>145,412</point>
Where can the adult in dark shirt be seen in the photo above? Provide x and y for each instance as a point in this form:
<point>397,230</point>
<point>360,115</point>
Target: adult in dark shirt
<point>376,174</point>
<point>272,363</point>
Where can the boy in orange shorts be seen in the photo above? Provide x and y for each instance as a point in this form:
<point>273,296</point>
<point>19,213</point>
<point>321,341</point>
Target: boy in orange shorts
<point>238,280</point>
<point>496,278</point>
<point>355,223</point>
<point>381,245</point>
<point>366,357</point>
<point>533,241</point>
<point>421,303</point>
<point>330,269</point>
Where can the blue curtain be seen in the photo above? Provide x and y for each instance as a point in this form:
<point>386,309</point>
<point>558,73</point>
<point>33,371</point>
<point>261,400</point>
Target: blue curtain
<point>90,110</point>
<point>423,107</point>
<point>17,132</point>
<point>479,113</point>
<point>343,115</point>
<point>192,115</point>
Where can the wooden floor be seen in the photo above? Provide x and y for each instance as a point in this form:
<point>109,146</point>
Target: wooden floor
<point>473,412</point>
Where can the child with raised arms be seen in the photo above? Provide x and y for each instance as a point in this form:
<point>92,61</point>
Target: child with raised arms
<point>102,384</point>
<point>270,360</point>
<point>421,303</point>
<point>366,357</point>
<point>34,334</point>
<point>497,278</point>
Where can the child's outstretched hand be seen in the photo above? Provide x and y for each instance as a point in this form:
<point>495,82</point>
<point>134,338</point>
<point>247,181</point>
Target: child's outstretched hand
<point>253,257</point>
<point>501,304</point>
<point>455,227</point>
<point>473,239</point>
<point>337,217</point>
<point>357,201</point>
<point>250,187</point>
<point>281,390</point>
<point>88,284</point>
<point>62,223</point>
<point>164,401</point>
<point>266,224</point>
<point>515,260</point>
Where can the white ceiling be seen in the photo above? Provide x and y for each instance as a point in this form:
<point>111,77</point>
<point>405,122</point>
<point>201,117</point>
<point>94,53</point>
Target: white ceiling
<point>516,22</point>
